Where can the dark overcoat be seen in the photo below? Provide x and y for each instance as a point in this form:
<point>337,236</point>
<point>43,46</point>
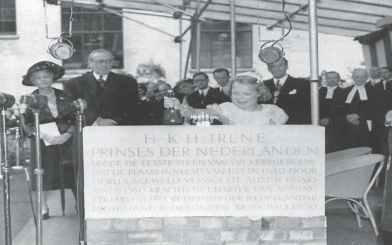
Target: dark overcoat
<point>118,100</point>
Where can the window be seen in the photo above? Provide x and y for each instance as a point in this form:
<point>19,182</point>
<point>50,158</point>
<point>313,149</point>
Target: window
<point>215,45</point>
<point>93,29</point>
<point>7,17</point>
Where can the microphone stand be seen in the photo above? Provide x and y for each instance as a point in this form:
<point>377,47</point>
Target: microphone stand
<point>39,173</point>
<point>17,150</point>
<point>6,172</point>
<point>80,121</point>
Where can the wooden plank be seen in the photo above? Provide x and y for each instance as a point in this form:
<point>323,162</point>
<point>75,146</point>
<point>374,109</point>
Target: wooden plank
<point>373,2</point>
<point>276,7</point>
<point>329,9</point>
<point>298,18</point>
<point>363,7</point>
<point>296,25</point>
<point>244,14</point>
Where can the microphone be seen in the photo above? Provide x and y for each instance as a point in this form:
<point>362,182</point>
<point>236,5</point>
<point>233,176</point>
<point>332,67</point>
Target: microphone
<point>6,100</point>
<point>35,101</point>
<point>79,105</point>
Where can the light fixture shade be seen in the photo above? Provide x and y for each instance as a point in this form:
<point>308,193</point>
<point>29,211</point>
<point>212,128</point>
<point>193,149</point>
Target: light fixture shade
<point>271,54</point>
<point>62,49</point>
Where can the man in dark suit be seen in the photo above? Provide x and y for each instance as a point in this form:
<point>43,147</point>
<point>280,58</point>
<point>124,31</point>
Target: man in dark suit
<point>332,112</point>
<point>204,94</point>
<point>222,78</point>
<point>112,99</point>
<point>382,103</point>
<point>289,93</point>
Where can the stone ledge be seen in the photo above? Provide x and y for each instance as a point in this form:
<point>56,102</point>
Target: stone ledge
<point>208,231</point>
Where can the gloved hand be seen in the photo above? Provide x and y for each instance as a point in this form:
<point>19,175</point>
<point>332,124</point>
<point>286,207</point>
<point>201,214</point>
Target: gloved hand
<point>171,102</point>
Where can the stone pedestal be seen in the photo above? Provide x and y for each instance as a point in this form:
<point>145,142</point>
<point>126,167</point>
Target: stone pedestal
<point>204,185</point>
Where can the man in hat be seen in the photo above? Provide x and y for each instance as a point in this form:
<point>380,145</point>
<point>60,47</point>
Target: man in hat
<point>112,99</point>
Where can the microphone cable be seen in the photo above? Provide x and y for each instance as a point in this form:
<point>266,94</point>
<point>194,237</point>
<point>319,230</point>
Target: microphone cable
<point>25,168</point>
<point>30,194</point>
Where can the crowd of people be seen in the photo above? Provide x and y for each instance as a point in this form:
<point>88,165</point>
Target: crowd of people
<point>352,116</point>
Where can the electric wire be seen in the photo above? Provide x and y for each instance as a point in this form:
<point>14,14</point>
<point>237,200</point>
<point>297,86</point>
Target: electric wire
<point>46,20</point>
<point>287,18</point>
<point>30,195</point>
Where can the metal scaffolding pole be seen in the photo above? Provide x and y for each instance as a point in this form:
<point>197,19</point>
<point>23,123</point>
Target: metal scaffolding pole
<point>233,38</point>
<point>6,172</point>
<point>180,49</point>
<point>313,44</point>
<point>80,122</point>
<point>198,30</point>
<point>39,172</point>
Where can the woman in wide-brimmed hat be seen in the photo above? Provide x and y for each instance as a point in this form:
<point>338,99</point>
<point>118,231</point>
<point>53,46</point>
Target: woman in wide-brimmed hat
<point>55,147</point>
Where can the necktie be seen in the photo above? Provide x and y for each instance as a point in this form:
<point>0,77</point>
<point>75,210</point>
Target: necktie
<point>101,82</point>
<point>384,83</point>
<point>202,97</point>
<point>278,85</point>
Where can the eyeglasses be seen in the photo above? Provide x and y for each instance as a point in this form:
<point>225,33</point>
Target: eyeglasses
<point>107,61</point>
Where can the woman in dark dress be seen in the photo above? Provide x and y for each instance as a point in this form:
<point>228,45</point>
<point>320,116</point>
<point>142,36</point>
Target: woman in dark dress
<point>56,148</point>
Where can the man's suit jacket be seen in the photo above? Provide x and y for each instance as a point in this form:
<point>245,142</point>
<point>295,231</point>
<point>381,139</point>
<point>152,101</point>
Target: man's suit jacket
<point>364,108</point>
<point>118,100</point>
<point>334,108</point>
<point>359,135</point>
<point>293,98</point>
<point>382,99</point>
<point>213,96</point>
<point>222,97</point>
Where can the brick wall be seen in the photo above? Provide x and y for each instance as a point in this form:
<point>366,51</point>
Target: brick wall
<point>208,231</point>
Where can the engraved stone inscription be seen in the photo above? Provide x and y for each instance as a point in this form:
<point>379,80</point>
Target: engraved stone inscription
<point>169,171</point>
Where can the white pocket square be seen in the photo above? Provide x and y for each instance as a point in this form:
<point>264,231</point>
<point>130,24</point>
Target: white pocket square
<point>294,91</point>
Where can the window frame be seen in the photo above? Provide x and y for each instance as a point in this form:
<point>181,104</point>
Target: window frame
<point>241,28</point>
<point>12,11</point>
<point>80,33</point>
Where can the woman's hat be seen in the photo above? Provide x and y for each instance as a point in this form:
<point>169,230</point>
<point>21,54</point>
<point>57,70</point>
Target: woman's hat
<point>56,70</point>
